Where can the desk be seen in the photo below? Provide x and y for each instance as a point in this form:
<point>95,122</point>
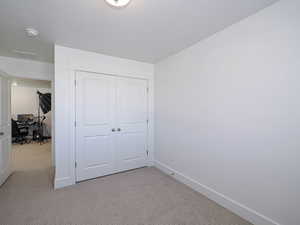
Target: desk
<point>30,125</point>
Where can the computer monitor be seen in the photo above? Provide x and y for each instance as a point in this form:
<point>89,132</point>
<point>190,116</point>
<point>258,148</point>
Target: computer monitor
<point>25,117</point>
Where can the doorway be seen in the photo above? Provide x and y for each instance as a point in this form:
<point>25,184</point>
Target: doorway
<point>31,126</point>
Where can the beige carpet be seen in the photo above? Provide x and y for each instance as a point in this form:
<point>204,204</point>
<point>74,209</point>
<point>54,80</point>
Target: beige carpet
<point>143,196</point>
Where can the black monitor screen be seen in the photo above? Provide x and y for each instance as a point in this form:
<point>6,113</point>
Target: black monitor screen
<point>25,117</point>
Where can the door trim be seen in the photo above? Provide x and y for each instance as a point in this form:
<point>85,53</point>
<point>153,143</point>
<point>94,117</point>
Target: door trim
<point>149,162</point>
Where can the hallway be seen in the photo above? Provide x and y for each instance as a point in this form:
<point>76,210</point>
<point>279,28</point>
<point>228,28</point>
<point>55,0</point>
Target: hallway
<point>30,157</point>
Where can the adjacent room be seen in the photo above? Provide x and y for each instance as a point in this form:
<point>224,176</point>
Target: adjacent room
<point>149,112</point>
<point>31,124</point>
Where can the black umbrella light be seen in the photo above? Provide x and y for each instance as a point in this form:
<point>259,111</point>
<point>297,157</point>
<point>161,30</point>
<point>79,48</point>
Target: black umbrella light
<point>45,106</point>
<point>45,102</point>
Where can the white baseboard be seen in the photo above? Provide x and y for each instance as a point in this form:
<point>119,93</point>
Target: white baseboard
<point>63,182</point>
<point>234,206</point>
<point>150,163</point>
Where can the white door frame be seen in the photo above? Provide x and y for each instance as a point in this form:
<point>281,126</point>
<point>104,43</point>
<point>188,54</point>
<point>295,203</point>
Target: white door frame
<point>67,62</point>
<point>70,142</point>
<point>149,161</point>
<point>76,127</point>
<point>52,105</point>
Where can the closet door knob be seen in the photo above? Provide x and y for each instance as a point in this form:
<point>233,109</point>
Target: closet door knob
<point>1,133</point>
<point>113,130</point>
<point>119,129</point>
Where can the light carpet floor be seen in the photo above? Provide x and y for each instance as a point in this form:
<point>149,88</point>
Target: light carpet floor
<point>143,196</point>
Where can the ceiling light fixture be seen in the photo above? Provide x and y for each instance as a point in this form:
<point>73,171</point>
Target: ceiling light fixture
<point>31,32</point>
<point>118,3</point>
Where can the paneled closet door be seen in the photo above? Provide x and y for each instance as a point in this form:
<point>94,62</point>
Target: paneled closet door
<point>95,103</point>
<point>131,121</point>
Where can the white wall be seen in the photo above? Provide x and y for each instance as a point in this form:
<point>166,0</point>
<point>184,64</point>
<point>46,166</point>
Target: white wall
<point>227,115</point>
<point>27,68</point>
<point>67,62</point>
<point>24,100</point>
<point>30,83</point>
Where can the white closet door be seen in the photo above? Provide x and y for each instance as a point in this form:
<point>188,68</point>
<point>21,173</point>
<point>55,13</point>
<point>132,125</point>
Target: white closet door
<point>131,120</point>
<point>95,99</point>
<point>5,130</point>
<point>111,124</point>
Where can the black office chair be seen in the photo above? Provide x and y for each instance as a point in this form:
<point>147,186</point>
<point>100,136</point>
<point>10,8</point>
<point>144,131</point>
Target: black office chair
<point>18,133</point>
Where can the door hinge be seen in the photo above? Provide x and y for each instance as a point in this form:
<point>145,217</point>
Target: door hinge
<point>147,121</point>
<point>147,152</point>
<point>147,89</point>
<point>75,164</point>
<point>75,83</point>
<point>75,123</point>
